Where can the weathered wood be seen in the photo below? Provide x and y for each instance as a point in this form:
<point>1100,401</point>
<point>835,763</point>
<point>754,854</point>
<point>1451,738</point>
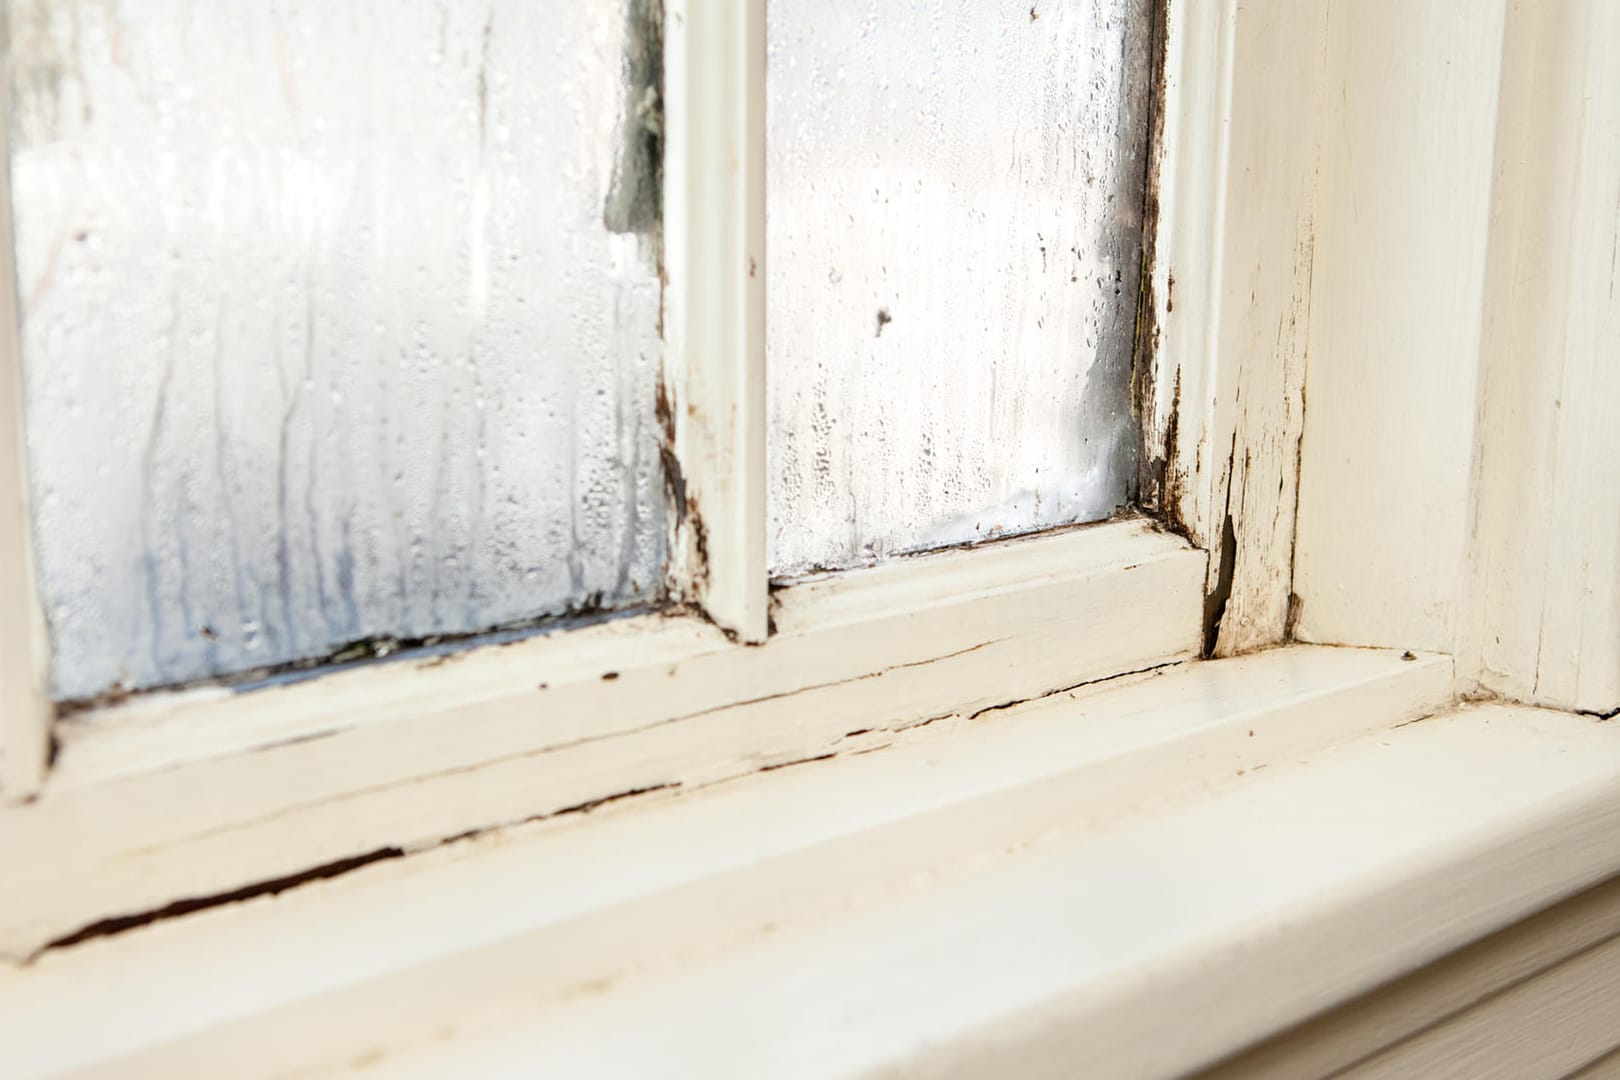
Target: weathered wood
<point>163,800</point>
<point>471,934</point>
<point>1402,243</point>
<point>1459,483</point>
<point>1232,293</point>
<point>714,405</point>
<point>1544,625</point>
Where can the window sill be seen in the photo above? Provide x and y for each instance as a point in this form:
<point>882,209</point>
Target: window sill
<point>1134,879</point>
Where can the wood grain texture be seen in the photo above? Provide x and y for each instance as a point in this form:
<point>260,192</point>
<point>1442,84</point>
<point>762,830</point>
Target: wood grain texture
<point>1438,993</point>
<point>1541,1029</point>
<point>475,934</point>
<point>1232,291</point>
<point>201,794</point>
<point>1546,615</point>
<point>1410,117</point>
<point>1459,486</point>
<point>1605,1068</point>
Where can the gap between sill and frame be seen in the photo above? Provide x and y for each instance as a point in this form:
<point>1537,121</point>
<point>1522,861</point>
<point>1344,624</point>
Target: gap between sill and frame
<point>114,925</point>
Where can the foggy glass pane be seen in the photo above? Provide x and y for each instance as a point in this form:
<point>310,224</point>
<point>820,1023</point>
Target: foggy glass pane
<point>954,217</point>
<point>325,334</point>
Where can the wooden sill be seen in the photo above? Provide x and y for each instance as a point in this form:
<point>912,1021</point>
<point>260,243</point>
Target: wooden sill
<point>191,796</point>
<point>1131,880</point>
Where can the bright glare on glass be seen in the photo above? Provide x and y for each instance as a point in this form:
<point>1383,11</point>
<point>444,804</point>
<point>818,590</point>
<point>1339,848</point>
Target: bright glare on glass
<point>955,195</point>
<point>335,324</point>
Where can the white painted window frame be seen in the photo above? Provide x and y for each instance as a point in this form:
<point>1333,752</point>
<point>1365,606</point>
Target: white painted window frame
<point>1370,846</point>
<point>100,819</point>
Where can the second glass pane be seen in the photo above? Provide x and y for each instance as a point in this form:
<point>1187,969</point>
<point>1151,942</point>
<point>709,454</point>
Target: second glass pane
<point>955,194</point>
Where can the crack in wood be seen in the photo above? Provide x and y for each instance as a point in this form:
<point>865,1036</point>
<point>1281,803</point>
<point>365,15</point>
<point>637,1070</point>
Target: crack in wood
<point>180,908</point>
<point>175,909</point>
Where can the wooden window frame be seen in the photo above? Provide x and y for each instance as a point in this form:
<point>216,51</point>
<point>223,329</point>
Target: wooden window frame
<point>100,818</point>
<point>1371,845</point>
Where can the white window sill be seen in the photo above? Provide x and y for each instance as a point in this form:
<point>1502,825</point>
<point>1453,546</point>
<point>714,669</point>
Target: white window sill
<point>1132,880</point>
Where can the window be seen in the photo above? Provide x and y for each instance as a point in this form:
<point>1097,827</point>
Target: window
<point>370,370</point>
<point>954,234</point>
<point>338,329</point>
<point>1404,212</point>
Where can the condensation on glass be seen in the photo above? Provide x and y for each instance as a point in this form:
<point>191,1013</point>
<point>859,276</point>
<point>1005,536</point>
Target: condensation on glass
<point>335,323</point>
<point>955,195</point>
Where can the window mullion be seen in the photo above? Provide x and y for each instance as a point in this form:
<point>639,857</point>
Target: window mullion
<point>714,231</point>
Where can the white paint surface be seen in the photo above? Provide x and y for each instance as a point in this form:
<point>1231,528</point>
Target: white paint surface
<point>455,941</point>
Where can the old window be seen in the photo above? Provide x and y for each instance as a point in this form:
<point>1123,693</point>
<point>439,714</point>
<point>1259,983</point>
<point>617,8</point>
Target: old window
<point>350,334</point>
<point>327,331</point>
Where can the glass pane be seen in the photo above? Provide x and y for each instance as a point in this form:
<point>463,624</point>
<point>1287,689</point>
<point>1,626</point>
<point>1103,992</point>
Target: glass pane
<point>954,206</point>
<point>328,332</point>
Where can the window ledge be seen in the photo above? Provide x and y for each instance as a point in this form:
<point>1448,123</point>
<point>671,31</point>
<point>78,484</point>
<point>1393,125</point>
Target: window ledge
<point>1135,879</point>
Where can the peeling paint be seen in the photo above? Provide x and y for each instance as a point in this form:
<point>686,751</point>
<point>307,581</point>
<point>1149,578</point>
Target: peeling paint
<point>857,742</point>
<point>1154,481</point>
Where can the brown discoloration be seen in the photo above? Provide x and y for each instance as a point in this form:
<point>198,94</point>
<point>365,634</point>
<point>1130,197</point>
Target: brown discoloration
<point>1296,607</point>
<point>120,923</point>
<point>592,804</point>
<point>683,513</point>
<point>1225,567</point>
<point>1156,475</point>
<point>797,761</point>
<point>845,745</point>
<point>1171,479</point>
<point>1151,669</point>
<point>1415,720</point>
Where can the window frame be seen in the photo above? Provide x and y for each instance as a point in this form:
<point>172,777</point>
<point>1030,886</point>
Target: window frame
<point>1444,857</point>
<point>100,817</point>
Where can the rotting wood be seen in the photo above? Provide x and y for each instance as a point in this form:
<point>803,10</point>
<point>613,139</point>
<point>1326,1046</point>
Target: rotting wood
<point>588,893</point>
<point>1230,338</point>
<point>116,924</point>
<point>537,729</point>
<point>179,908</point>
<point>1155,458</point>
<point>713,403</point>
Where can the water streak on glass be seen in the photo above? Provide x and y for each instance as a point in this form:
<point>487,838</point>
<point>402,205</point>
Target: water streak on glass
<point>955,193</point>
<point>326,335</point>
